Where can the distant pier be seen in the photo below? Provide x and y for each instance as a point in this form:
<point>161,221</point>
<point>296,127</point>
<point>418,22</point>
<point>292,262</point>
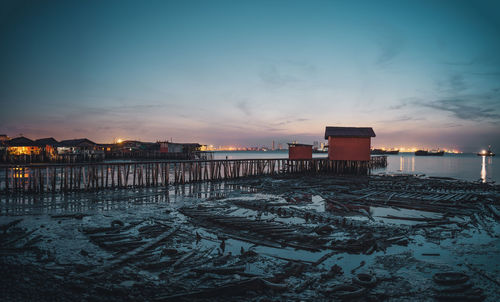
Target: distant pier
<point>52,178</point>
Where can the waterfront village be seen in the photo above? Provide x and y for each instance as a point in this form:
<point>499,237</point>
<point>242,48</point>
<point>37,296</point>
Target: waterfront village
<point>25,150</point>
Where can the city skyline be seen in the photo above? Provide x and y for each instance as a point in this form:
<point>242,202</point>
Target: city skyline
<point>421,73</point>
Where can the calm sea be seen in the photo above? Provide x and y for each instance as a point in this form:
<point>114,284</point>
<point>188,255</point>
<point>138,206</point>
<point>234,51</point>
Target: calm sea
<point>465,166</point>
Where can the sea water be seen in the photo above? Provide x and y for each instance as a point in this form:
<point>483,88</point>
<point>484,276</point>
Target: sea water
<point>465,166</point>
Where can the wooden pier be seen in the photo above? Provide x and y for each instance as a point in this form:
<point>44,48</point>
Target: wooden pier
<point>20,179</point>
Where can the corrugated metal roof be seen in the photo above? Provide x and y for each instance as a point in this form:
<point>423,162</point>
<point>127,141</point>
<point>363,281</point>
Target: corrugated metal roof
<point>47,141</point>
<point>349,132</point>
<point>21,142</point>
<point>76,142</point>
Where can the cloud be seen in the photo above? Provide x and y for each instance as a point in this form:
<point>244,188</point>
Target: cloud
<point>486,74</point>
<point>298,120</point>
<point>461,63</point>
<point>243,106</point>
<point>390,42</point>
<point>452,84</point>
<point>271,75</point>
<point>403,118</point>
<point>466,109</point>
<point>457,83</point>
<point>398,106</point>
<point>404,103</point>
<point>286,72</point>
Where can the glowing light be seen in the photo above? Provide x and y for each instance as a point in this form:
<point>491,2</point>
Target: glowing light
<point>119,141</point>
<point>412,149</point>
<point>23,150</point>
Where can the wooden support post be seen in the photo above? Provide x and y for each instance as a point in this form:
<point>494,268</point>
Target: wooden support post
<point>31,186</point>
<point>71,178</point>
<point>23,179</point>
<point>86,174</point>
<point>107,175</point>
<point>139,176</point>
<point>183,174</point>
<point>168,173</point>
<point>32,179</point>
<point>112,176</point>
<point>102,176</point>
<point>135,172</point>
<point>61,181</point>
<point>42,186</point>
<point>119,175</point>
<point>190,172</point>
<point>175,173</point>
<point>14,179</point>
<point>35,178</point>
<point>84,178</point>
<point>164,174</point>
<point>127,171</point>
<point>157,174</point>
<point>6,180</point>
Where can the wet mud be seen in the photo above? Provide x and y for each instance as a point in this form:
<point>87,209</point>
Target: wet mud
<point>377,238</point>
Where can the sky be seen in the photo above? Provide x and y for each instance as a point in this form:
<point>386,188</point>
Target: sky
<point>421,73</point>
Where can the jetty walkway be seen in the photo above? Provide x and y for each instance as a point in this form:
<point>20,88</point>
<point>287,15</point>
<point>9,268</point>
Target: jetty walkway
<point>43,178</point>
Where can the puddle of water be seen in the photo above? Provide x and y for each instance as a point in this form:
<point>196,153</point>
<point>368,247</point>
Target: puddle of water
<point>382,211</point>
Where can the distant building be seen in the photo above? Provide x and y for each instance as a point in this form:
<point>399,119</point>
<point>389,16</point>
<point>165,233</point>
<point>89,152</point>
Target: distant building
<point>163,147</point>
<point>186,148</point>
<point>349,143</point>
<point>132,146</point>
<point>49,147</point>
<point>22,146</point>
<point>77,146</point>
<point>299,151</point>
<point>81,149</point>
<point>169,147</point>
<point>315,145</point>
<point>4,137</point>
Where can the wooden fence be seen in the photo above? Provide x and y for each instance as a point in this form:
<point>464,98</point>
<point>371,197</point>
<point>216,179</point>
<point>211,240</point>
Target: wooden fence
<point>97,176</point>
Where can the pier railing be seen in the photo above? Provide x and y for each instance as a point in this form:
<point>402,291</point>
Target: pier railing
<point>54,178</point>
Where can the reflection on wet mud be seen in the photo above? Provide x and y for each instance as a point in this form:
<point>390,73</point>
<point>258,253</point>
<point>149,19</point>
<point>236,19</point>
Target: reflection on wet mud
<point>483,169</point>
<point>110,199</point>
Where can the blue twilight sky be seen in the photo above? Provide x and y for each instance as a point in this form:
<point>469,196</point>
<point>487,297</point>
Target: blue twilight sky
<point>424,73</point>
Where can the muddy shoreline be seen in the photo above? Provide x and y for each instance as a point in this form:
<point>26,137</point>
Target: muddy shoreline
<point>378,238</point>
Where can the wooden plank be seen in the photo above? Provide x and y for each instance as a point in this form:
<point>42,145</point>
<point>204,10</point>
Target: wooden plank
<point>125,257</point>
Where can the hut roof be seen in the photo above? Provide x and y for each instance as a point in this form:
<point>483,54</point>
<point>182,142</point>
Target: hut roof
<point>47,141</point>
<point>80,142</point>
<point>294,144</point>
<point>21,142</point>
<point>349,132</point>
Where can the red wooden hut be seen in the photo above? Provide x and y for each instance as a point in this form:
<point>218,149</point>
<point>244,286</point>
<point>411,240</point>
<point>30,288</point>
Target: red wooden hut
<point>349,143</point>
<point>299,151</point>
